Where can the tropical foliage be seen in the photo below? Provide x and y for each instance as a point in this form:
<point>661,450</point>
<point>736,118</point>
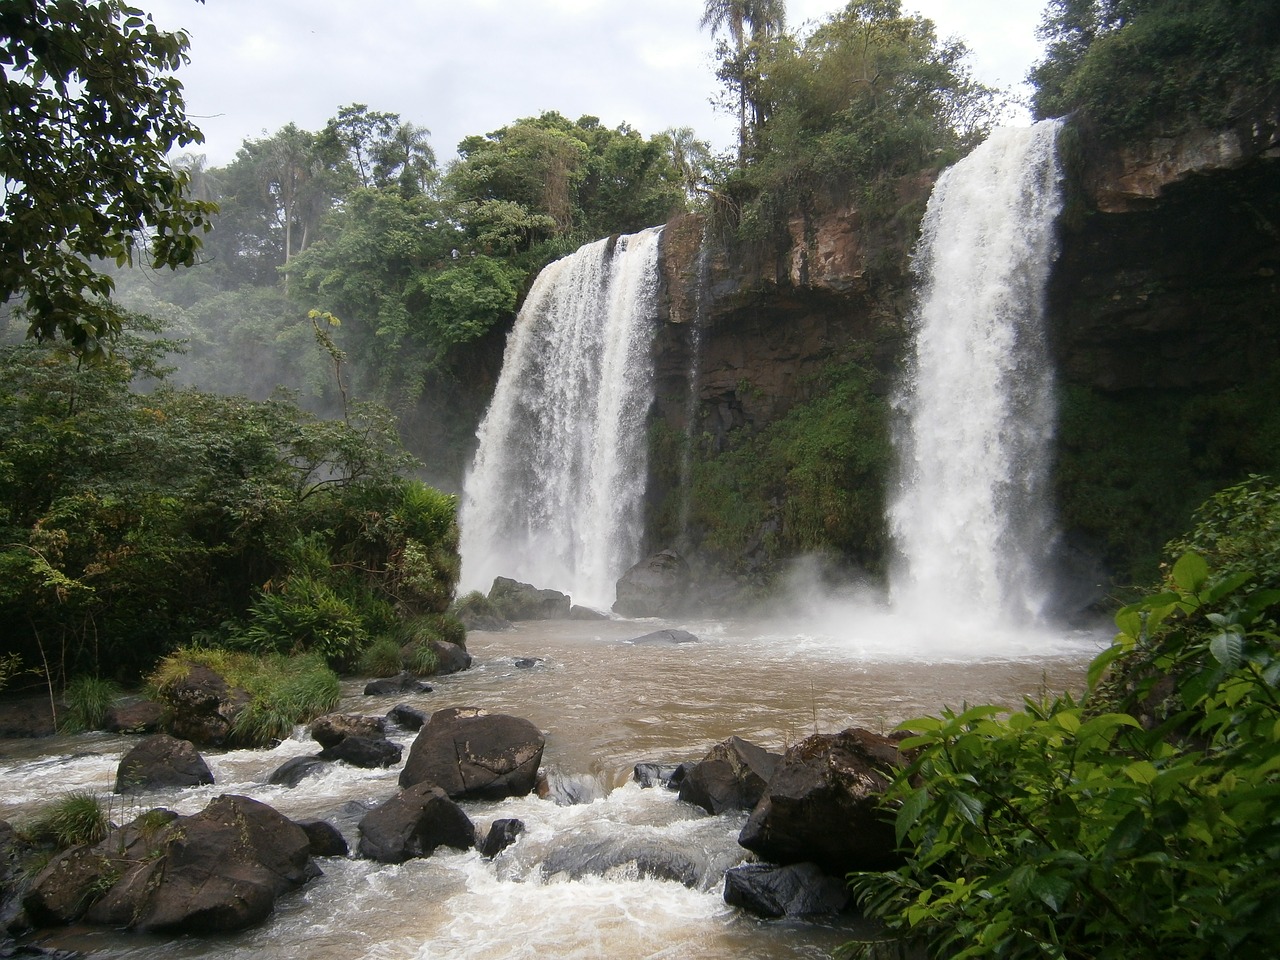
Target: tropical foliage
<point>1141,818</point>
<point>90,111</point>
<point>1127,64</point>
<point>132,521</point>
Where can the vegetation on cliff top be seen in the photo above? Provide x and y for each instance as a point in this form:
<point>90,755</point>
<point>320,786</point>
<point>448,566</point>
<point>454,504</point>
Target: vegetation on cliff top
<point>1130,65</point>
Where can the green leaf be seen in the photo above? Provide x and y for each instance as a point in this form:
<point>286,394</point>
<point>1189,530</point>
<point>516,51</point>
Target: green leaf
<point>1052,891</point>
<point>1227,648</point>
<point>909,812</point>
<point>1190,572</point>
<point>966,806</point>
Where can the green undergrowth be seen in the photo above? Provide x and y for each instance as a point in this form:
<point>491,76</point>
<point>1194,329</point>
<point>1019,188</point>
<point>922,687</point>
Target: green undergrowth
<point>75,818</point>
<point>1143,819</point>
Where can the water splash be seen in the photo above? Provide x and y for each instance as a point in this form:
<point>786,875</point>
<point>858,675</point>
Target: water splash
<point>555,495</point>
<point>971,519</point>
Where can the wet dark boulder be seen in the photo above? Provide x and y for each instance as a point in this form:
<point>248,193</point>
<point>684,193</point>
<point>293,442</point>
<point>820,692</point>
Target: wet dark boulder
<point>473,754</point>
<point>502,834</point>
<point>62,892</point>
<point>450,658</point>
<point>392,686</point>
<point>586,613</point>
<point>324,838</point>
<point>732,776</point>
<point>161,761</point>
<point>644,858</point>
<point>823,804</point>
<point>294,770</point>
<point>142,716</point>
<point>414,823</point>
<point>14,853</point>
<point>333,728</point>
<point>364,752</point>
<point>663,637</point>
<point>201,707</point>
<point>523,601</point>
<point>654,587</point>
<point>406,717</point>
<point>796,890</point>
<point>218,871</point>
<point>26,717</point>
<point>669,775</point>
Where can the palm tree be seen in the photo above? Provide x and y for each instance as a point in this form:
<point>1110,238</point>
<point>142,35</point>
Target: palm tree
<point>406,155</point>
<point>758,19</point>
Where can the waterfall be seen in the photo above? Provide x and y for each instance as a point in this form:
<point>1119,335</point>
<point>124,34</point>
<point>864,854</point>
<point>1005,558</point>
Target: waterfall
<point>555,494</point>
<point>971,519</point>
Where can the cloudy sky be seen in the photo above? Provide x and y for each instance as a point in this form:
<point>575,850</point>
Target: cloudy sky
<point>462,68</point>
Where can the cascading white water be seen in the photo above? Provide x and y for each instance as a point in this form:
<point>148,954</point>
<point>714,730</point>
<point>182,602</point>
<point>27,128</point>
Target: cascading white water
<point>555,494</point>
<point>972,521</point>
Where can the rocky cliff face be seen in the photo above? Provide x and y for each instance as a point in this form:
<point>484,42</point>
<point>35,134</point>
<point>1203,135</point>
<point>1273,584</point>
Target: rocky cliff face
<point>1166,287</point>
<point>748,330</point>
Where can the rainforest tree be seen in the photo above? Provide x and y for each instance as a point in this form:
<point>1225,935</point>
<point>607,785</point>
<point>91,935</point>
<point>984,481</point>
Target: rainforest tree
<point>88,112</point>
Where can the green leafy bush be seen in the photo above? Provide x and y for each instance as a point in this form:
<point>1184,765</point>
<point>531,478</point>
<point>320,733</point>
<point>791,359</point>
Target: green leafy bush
<point>1143,819</point>
<point>380,659</point>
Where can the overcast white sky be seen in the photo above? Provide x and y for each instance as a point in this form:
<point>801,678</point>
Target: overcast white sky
<point>469,67</point>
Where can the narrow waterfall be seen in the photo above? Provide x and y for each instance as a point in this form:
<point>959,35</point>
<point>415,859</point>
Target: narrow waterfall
<point>971,518</point>
<point>555,494</point>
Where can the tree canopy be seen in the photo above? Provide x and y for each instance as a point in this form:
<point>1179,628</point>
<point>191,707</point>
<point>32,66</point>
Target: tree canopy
<point>88,112</point>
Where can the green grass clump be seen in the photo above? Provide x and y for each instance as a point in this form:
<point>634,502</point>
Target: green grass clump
<point>422,660</point>
<point>88,699</point>
<point>380,659</point>
<point>75,818</point>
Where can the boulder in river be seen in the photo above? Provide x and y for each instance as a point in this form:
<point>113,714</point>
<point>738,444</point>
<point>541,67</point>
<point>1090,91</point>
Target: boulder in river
<point>141,716</point>
<point>669,775</point>
<point>161,761</point>
<point>502,834</point>
<point>473,754</point>
<point>201,707</point>
<point>796,890</point>
<point>661,637</point>
<point>393,686</point>
<point>450,658</point>
<point>215,872</point>
<point>333,728</point>
<point>414,823</point>
<point>365,752</point>
<point>294,770</point>
<point>326,840</point>
<point>732,776</point>
<point>654,587</point>
<point>406,717</point>
<point>823,804</point>
<point>524,601</point>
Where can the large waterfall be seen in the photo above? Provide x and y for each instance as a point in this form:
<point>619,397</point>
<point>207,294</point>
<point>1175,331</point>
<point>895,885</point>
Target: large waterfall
<point>555,495</point>
<point>971,517</point>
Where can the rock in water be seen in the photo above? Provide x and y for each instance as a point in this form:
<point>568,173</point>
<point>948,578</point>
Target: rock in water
<point>412,824</point>
<point>474,754</point>
<point>524,601</point>
<point>654,587</point>
<point>450,658</point>
<point>664,636</point>
<point>294,770</point>
<point>333,728</point>
<point>326,840</point>
<point>502,834</point>
<point>732,776</point>
<point>798,890</point>
<point>823,805</point>
<point>161,761</point>
<point>215,872</point>
<point>364,752</point>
